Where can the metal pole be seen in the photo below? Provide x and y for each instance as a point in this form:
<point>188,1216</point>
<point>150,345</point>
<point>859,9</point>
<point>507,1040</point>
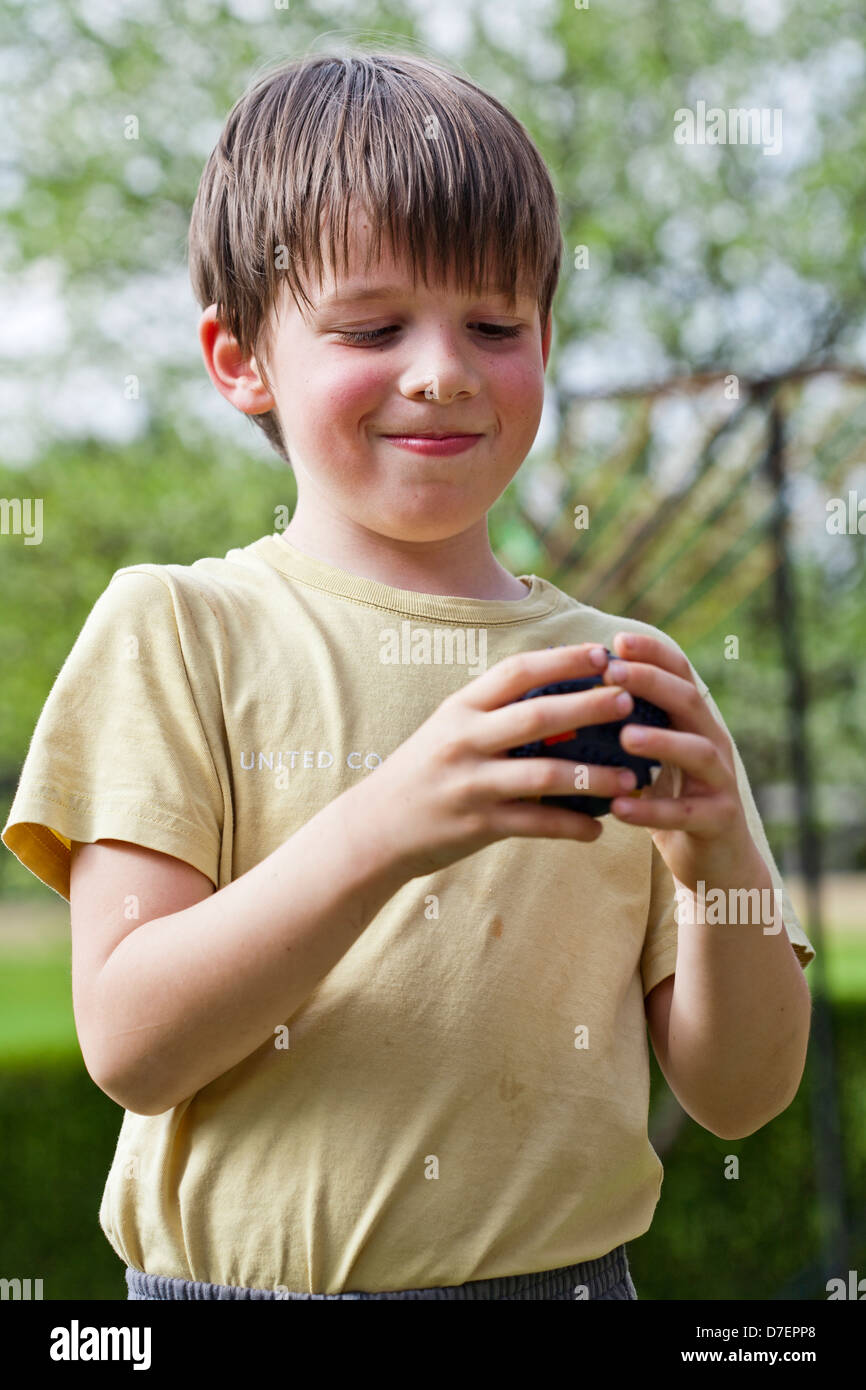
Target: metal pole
<point>824,1096</point>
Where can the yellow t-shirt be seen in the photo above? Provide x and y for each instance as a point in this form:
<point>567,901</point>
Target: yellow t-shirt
<point>439,1115</point>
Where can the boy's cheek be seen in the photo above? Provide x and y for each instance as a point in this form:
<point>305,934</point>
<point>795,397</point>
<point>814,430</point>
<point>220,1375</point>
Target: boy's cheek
<point>518,385</point>
<point>350,391</point>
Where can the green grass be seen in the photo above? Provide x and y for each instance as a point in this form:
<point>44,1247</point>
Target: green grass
<point>846,967</point>
<point>36,1018</point>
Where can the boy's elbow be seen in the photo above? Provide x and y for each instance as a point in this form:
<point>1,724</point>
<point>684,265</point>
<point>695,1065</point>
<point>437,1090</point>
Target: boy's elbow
<point>742,1127</point>
<point>732,1133</point>
<point>129,1093</point>
<point>130,1100</point>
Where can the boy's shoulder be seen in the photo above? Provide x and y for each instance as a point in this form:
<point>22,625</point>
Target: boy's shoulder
<point>191,608</point>
<point>599,625</point>
<point>205,579</point>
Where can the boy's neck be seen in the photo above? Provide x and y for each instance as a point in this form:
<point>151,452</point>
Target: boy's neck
<point>463,566</point>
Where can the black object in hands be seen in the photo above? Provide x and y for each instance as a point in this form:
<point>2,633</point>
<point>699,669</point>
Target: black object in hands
<point>596,743</point>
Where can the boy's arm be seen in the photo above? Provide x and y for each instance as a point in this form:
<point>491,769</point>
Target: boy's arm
<point>730,1028</point>
<point>733,1046</point>
<point>657,1007</point>
<point>185,996</point>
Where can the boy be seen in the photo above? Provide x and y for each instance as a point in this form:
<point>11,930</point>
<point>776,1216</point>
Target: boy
<point>378,1029</point>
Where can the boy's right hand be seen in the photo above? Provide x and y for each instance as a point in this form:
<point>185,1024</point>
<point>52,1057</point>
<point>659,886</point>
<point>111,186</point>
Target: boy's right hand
<point>451,789</point>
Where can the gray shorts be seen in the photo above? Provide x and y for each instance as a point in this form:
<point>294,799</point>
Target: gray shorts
<point>607,1277</point>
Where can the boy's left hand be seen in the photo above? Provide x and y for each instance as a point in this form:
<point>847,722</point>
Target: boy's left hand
<point>700,830</point>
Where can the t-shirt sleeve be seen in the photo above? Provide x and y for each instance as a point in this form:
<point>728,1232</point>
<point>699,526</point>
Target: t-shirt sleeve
<point>119,751</point>
<point>659,957</point>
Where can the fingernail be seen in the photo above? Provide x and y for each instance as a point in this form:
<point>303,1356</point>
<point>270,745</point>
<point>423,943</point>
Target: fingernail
<point>623,702</point>
<point>598,656</point>
<point>618,670</point>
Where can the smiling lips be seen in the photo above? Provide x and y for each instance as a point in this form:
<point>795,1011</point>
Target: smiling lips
<point>433,443</point>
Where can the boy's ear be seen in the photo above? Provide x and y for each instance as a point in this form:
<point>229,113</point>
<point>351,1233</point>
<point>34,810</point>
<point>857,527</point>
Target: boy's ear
<point>235,377</point>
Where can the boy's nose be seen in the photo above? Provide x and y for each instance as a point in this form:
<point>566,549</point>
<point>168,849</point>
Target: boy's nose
<point>439,370</point>
<point>447,384</point>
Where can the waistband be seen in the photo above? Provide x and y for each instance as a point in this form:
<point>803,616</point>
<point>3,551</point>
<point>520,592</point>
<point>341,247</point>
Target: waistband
<point>606,1277</point>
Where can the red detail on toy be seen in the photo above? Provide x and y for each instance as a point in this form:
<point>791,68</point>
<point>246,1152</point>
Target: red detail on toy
<point>560,738</point>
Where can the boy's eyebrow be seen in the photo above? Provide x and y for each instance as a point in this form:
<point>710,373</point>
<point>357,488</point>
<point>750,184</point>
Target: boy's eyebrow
<point>355,294</point>
<point>350,294</point>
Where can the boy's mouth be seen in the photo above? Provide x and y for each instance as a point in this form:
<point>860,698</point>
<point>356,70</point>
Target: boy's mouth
<point>433,443</point>
<point>431,434</point>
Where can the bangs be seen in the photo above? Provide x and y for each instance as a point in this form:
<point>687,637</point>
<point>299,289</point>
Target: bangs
<point>432,246</point>
<point>451,182</point>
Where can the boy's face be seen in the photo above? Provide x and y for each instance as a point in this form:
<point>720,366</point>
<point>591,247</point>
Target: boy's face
<point>440,367</point>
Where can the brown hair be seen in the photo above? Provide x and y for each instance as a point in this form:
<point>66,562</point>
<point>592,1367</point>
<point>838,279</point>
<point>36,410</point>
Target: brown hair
<point>439,162</point>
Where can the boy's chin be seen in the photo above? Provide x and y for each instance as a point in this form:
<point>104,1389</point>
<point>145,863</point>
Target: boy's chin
<point>426,518</point>
<point>403,531</point>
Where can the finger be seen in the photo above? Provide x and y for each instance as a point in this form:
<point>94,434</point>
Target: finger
<point>680,699</point>
<point>531,777</point>
<point>640,646</point>
<point>696,815</point>
<point>693,753</point>
<point>546,715</point>
<point>543,822</point>
<point>522,671</point>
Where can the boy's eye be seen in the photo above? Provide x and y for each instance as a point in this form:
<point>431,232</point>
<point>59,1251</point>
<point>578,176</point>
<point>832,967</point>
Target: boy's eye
<point>497,330</point>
